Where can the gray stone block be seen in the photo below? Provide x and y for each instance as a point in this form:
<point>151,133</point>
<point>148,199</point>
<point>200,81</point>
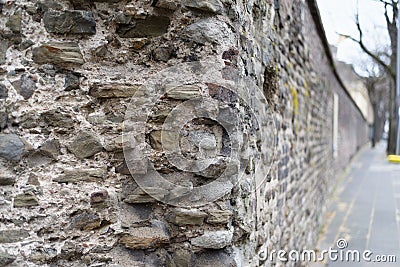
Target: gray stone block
<point>69,21</point>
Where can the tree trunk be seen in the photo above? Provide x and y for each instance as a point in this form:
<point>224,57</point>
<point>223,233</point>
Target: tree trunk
<point>392,136</point>
<point>391,145</point>
<point>378,102</point>
<point>376,135</point>
<point>392,31</point>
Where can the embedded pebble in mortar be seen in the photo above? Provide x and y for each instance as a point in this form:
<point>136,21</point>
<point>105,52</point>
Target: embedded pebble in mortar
<point>11,147</point>
<point>219,216</point>
<point>25,200</point>
<point>14,23</point>
<point>151,26</point>
<point>12,236</point>
<point>71,82</point>
<point>85,145</point>
<point>6,179</point>
<point>58,53</point>
<point>6,258</point>
<point>209,30</point>
<point>213,6</point>
<point>25,86</point>
<point>3,91</point>
<point>69,21</point>
<point>146,237</point>
<point>168,4</point>
<point>203,140</point>
<point>181,216</point>
<point>213,239</point>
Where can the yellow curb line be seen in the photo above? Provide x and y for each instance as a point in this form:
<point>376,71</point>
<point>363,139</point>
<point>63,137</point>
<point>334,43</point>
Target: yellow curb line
<point>394,158</point>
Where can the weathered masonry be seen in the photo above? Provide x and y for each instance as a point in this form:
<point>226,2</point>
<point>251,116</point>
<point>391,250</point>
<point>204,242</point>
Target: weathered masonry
<point>167,132</point>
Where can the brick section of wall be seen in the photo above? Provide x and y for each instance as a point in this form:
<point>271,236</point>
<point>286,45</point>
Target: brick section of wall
<point>68,72</point>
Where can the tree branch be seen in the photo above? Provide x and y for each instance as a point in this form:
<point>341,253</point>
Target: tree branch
<point>392,3</point>
<point>395,11</point>
<point>388,22</point>
<point>360,33</point>
<point>388,69</point>
<point>384,53</point>
<point>369,53</point>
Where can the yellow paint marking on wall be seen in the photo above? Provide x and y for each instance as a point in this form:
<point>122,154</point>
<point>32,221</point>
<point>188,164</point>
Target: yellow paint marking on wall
<point>307,93</point>
<point>295,97</point>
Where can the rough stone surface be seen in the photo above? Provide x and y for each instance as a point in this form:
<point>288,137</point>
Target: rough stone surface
<point>58,53</point>
<point>45,5</point>
<point>25,200</point>
<point>203,139</point>
<point>39,157</point>
<point>3,48</point>
<point>85,145</point>
<point>139,43</point>
<point>25,86</point>
<point>98,197</point>
<point>182,258</point>
<point>219,216</point>
<point>162,53</point>
<point>51,147</point>
<point>215,169</point>
<point>157,142</point>
<point>139,196</point>
<point>6,179</point>
<point>145,237</point>
<point>71,82</point>
<point>6,259</point>
<point>86,221</point>
<point>214,240</point>
<point>112,90</point>
<point>184,216</point>
<point>12,236</point>
<point>214,258</point>
<point>33,180</point>
<point>3,91</point>
<point>214,6</point>
<point>57,118</point>
<point>185,92</point>
<point>122,168</point>
<point>69,21</point>
<point>85,82</point>
<point>82,175</point>
<point>11,147</point>
<point>26,44</point>
<point>79,4</point>
<point>208,30</point>
<point>14,23</point>
<point>3,119</point>
<point>168,4</point>
<point>151,26</point>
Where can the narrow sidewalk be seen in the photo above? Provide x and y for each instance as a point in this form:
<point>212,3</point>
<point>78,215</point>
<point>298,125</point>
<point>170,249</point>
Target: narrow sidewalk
<point>365,211</point>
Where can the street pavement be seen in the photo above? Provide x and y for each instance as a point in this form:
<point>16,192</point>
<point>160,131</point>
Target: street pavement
<point>365,211</point>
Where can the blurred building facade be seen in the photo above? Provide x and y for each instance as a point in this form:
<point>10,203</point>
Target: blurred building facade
<point>356,86</point>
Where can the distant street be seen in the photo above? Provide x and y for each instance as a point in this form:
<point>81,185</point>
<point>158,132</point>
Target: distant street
<point>365,209</point>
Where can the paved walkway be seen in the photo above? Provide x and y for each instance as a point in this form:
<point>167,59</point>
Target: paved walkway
<point>365,210</point>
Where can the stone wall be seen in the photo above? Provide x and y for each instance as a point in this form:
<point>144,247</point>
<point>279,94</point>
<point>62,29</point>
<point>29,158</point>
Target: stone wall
<point>166,132</point>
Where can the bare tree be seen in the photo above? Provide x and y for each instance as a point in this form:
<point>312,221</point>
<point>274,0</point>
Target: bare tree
<point>386,60</point>
<point>377,86</point>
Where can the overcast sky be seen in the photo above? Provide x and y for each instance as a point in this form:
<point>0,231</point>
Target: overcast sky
<point>339,16</point>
